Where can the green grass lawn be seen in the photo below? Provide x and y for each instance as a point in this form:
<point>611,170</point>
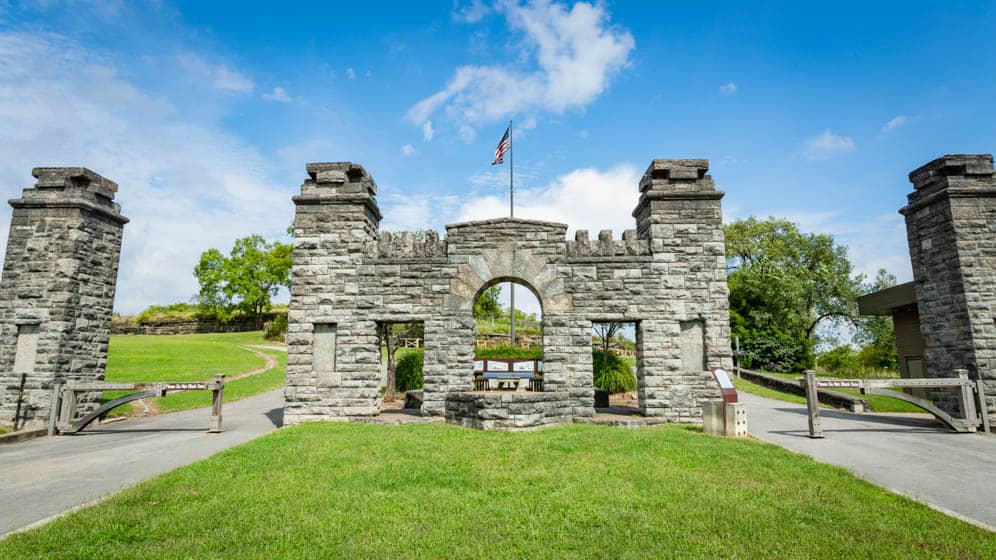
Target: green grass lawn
<point>185,357</point>
<point>192,357</point>
<point>335,490</point>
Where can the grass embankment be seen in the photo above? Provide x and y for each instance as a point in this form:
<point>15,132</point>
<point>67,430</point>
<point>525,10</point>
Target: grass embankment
<point>194,357</point>
<point>334,490</point>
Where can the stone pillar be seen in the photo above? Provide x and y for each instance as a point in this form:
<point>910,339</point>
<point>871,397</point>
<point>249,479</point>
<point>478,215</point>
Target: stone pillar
<point>57,290</point>
<point>333,355</point>
<point>679,213</point>
<point>951,229</point>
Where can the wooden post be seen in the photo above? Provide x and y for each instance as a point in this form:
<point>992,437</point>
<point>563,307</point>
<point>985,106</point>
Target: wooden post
<point>53,415</point>
<point>813,405</point>
<point>217,396</point>
<point>20,399</point>
<point>980,394</point>
<point>966,401</point>
<point>68,407</point>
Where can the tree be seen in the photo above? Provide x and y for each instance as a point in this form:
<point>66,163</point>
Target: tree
<point>605,332</point>
<point>246,279</point>
<point>876,333</point>
<point>784,284</point>
<point>390,333</point>
<point>487,306</point>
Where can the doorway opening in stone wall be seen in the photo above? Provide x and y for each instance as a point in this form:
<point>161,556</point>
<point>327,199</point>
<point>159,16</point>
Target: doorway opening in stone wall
<point>508,338</point>
<point>615,368</point>
<point>402,354</point>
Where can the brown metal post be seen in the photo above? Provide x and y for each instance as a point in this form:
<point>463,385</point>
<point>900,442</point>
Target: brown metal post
<point>20,399</point>
<point>813,405</point>
<point>217,396</point>
<point>53,415</point>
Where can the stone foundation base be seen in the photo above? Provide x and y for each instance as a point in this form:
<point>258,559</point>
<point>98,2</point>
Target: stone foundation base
<point>508,411</point>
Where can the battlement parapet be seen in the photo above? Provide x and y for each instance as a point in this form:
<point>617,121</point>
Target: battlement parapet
<point>409,245</point>
<point>606,246</point>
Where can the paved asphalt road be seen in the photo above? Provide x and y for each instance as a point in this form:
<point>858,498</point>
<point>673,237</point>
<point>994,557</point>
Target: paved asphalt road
<point>48,476</point>
<point>909,454</point>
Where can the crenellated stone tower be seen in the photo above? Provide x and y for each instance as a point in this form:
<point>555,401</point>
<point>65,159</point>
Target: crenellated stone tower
<point>951,229</point>
<point>668,276</point>
<point>57,290</point>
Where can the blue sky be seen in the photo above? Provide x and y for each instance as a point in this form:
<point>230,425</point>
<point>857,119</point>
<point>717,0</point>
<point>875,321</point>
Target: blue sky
<point>205,113</point>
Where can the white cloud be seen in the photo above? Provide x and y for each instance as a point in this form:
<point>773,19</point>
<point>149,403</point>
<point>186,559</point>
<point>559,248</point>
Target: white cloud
<point>467,133</point>
<point>279,95</point>
<point>827,144</point>
<point>472,12</point>
<point>576,52</point>
<point>350,73</point>
<point>427,131</point>
<point>873,243</point>
<point>217,75</point>
<point>583,199</point>
<point>894,123</point>
<point>186,187</point>
<point>407,150</point>
<point>728,88</point>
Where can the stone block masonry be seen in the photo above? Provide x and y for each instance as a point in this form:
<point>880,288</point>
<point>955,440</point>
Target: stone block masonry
<point>57,289</point>
<point>951,229</point>
<point>667,275</point>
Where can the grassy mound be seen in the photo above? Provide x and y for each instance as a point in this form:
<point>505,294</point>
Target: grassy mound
<point>333,490</point>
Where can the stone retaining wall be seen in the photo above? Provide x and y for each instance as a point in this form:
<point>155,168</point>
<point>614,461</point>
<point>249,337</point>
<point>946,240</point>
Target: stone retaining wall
<point>508,411</point>
<point>190,326</point>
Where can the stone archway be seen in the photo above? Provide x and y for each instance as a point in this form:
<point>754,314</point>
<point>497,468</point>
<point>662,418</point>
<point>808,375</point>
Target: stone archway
<point>349,275</point>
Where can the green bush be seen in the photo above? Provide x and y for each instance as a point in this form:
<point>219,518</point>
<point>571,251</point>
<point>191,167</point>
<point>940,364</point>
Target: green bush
<point>408,371</point>
<point>612,373</point>
<point>840,359</point>
<point>510,352</point>
<point>277,328</point>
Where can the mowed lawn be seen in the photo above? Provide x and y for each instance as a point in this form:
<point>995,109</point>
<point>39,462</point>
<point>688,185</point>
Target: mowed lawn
<point>192,357</point>
<point>338,490</point>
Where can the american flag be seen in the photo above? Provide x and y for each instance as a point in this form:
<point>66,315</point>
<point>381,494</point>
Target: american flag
<point>503,145</point>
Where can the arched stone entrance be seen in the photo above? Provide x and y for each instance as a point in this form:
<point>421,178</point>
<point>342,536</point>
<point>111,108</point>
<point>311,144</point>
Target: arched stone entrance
<point>667,274</point>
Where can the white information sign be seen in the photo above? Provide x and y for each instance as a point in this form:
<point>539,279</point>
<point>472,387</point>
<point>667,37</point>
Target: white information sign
<point>522,366</point>
<point>723,378</point>
<point>478,365</point>
<point>497,366</point>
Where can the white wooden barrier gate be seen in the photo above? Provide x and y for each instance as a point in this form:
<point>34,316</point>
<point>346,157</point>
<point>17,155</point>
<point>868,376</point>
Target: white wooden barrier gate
<point>971,398</point>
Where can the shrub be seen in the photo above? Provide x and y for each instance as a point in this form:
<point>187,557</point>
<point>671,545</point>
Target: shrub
<point>277,328</point>
<point>408,371</point>
<point>612,373</point>
<point>511,352</point>
<point>777,354</point>
<point>840,359</point>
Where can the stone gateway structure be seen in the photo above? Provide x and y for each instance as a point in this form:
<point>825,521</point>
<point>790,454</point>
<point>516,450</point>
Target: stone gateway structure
<point>57,291</point>
<point>951,229</point>
<point>668,276</point>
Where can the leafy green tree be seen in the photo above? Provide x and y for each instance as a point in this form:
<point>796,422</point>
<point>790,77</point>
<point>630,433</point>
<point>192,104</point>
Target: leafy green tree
<point>876,334</point>
<point>487,306</point>
<point>783,285</point>
<point>246,279</point>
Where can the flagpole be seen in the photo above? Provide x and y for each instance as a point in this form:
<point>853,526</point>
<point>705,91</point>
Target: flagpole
<point>511,214</point>
<point>511,183</point>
